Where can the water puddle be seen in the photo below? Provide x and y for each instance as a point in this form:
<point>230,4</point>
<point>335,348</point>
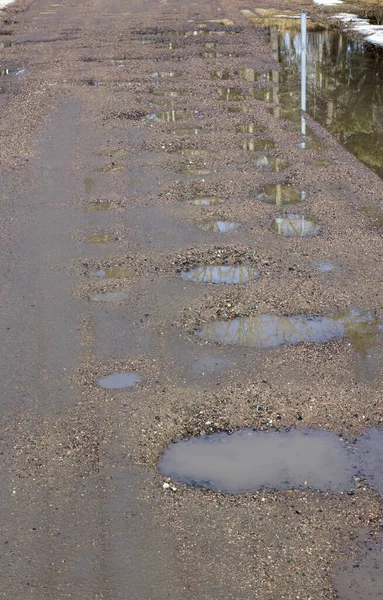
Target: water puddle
<point>89,183</point>
<point>118,381</point>
<point>4,71</point>
<point>224,274</point>
<point>207,201</point>
<point>324,266</point>
<point>253,76</point>
<point>271,331</point>
<point>195,171</point>
<point>4,45</point>
<point>374,213</point>
<point>113,273</point>
<point>249,460</point>
<point>100,238</point>
<point>321,162</point>
<point>231,94</point>
<point>279,194</point>
<point>220,226</point>
<point>220,74</point>
<point>113,152</point>
<point>110,297</point>
<point>192,153</point>
<point>213,54</point>
<point>344,86</point>
<point>296,226</point>
<point>363,579</point>
<point>172,116</point>
<point>186,131</point>
<point>258,145</point>
<point>239,108</point>
<point>249,128</point>
<point>369,449</point>
<point>168,74</point>
<point>271,164</point>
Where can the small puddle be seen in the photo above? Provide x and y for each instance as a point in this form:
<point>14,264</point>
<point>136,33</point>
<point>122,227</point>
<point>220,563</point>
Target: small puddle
<point>374,213</point>
<point>249,128</point>
<point>279,194</point>
<point>271,331</point>
<point>363,579</point>
<point>252,76</point>
<point>369,449</point>
<point>192,153</point>
<point>4,71</point>
<point>168,74</point>
<point>187,131</point>
<point>110,168</point>
<point>89,183</point>
<point>195,171</point>
<point>231,94</point>
<point>172,94</point>
<point>213,54</point>
<point>220,226</point>
<point>4,45</point>
<point>271,164</point>
<point>224,274</point>
<point>324,266</point>
<point>296,226</point>
<point>110,297</point>
<point>249,460</point>
<point>206,201</point>
<point>258,145</point>
<point>113,273</point>
<point>239,109</point>
<point>220,74</point>
<point>100,238</point>
<point>172,116</point>
<point>118,381</point>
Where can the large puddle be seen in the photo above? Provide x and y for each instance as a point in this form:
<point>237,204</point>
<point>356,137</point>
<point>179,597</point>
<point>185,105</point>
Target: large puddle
<point>279,194</point>
<point>344,87</point>
<point>363,330</point>
<point>249,460</point>
<point>221,274</point>
<point>220,226</point>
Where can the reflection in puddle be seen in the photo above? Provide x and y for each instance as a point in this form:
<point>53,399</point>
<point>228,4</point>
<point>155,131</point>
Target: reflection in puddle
<point>118,381</point>
<point>192,153</point>
<point>374,213</point>
<point>207,201</point>
<point>110,169</point>
<point>5,45</point>
<point>172,94</point>
<point>249,460</point>
<point>110,297</point>
<point>249,128</point>
<point>221,274</point>
<point>324,266</point>
<point>251,75</point>
<point>195,172</point>
<point>4,71</point>
<point>238,108</point>
<point>100,238</point>
<point>257,145</point>
<point>270,331</point>
<point>220,74</point>
<point>89,184</point>
<point>172,116</point>
<point>344,88</point>
<point>113,272</point>
<point>164,74</point>
<point>279,194</point>
<point>187,131</point>
<point>213,54</point>
<point>231,94</point>
<point>363,580</point>
<point>370,452</point>
<point>296,225</point>
<point>270,163</point>
<point>220,226</point>
<point>113,152</point>
<point>321,162</point>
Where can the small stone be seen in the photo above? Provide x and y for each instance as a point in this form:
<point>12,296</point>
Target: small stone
<point>166,485</point>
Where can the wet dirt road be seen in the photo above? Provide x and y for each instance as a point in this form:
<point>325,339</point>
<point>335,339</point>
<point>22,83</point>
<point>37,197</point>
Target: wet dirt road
<point>136,146</point>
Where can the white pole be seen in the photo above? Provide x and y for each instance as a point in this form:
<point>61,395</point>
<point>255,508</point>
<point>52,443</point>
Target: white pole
<point>303,69</point>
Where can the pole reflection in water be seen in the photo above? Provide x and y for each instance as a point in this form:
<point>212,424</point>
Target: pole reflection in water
<point>223,274</point>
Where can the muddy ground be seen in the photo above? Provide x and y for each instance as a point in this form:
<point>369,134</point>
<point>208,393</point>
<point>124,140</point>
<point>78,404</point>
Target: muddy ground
<point>84,512</point>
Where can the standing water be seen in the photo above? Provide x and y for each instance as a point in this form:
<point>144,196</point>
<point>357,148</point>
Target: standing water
<point>344,87</point>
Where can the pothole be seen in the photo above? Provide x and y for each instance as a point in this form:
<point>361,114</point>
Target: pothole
<point>231,94</point>
<point>100,238</point>
<point>258,145</point>
<point>118,381</point>
<point>113,273</point>
<point>249,128</point>
<point>252,75</point>
<point>249,460</point>
<point>172,116</point>
<point>206,201</point>
<point>221,274</point>
<point>220,226</point>
<point>296,226</point>
<point>271,331</point>
<point>279,194</point>
<point>192,171</point>
<point>270,163</point>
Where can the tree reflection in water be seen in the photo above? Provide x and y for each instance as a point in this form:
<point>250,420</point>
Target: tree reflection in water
<point>295,225</point>
<point>221,274</point>
<point>271,331</point>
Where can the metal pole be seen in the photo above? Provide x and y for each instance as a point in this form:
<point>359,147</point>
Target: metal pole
<point>303,69</point>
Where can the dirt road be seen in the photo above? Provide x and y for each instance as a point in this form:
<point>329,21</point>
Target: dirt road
<point>93,139</point>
